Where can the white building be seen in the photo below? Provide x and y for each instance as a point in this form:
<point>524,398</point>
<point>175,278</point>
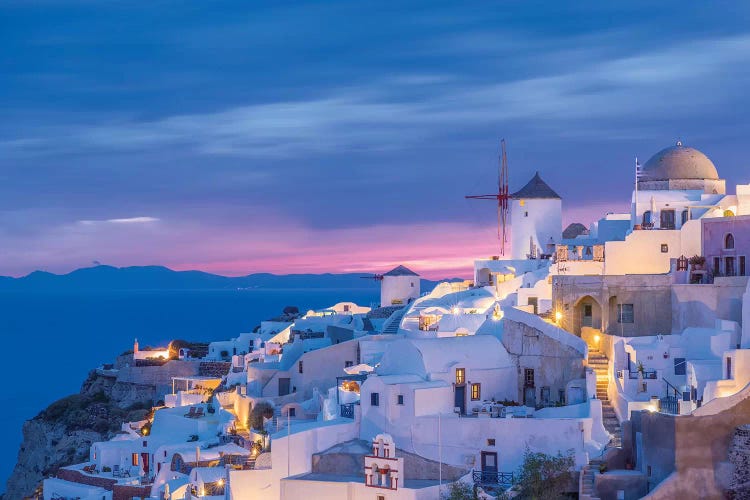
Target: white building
<point>399,286</point>
<point>535,220</point>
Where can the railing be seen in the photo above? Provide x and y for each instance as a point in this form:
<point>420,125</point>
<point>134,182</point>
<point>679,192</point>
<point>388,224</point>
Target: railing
<point>487,477</point>
<point>647,374</point>
<point>669,404</point>
<point>347,410</point>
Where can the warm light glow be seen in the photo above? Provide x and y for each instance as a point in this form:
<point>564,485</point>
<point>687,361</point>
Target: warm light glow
<point>558,316</point>
<point>456,310</point>
<point>652,408</point>
<point>597,338</point>
<point>220,482</point>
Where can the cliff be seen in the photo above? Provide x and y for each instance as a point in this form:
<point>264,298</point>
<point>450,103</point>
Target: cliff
<point>62,433</point>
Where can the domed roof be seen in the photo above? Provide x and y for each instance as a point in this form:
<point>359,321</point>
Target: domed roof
<point>679,162</point>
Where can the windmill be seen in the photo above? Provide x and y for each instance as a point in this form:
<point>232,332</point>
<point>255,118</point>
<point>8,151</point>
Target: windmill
<point>502,197</point>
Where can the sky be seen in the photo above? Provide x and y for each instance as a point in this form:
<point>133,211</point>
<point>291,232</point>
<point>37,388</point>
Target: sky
<point>240,137</point>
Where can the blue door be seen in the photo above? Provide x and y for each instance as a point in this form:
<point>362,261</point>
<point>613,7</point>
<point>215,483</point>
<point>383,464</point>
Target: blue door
<point>460,398</point>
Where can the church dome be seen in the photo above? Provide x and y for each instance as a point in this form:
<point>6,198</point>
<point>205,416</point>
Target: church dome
<point>679,162</point>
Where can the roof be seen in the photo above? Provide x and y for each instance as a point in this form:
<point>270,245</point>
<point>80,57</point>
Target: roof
<point>400,271</point>
<point>679,162</point>
<point>536,188</point>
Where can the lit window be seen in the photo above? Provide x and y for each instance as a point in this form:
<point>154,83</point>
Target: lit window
<point>460,376</point>
<point>476,391</point>
<point>135,459</point>
<point>625,313</point>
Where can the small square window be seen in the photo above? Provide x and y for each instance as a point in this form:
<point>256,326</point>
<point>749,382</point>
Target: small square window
<point>381,497</point>
<point>292,412</point>
<point>374,399</point>
<point>347,364</point>
<point>400,399</point>
<point>490,442</point>
<point>664,248</point>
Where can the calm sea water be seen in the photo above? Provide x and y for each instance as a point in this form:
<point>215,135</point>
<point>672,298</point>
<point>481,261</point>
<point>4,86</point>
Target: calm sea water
<point>52,340</point>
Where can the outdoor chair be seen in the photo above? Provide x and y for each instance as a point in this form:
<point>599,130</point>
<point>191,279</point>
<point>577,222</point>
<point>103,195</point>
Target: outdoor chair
<point>191,413</point>
<point>198,413</point>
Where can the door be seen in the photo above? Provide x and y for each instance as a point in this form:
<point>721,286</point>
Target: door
<point>460,398</point>
<point>729,368</point>
<point>534,303</point>
<point>529,396</point>
<point>729,266</point>
<point>667,219</point>
<point>144,458</point>
<point>283,386</point>
<point>588,315</point>
<point>489,466</point>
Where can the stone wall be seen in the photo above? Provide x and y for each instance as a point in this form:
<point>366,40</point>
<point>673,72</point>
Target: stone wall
<point>554,363</point>
<point>123,492</point>
<point>739,457</point>
<point>160,377</point>
<point>705,451</point>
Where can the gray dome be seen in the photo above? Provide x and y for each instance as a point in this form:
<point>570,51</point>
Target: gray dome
<point>679,162</point>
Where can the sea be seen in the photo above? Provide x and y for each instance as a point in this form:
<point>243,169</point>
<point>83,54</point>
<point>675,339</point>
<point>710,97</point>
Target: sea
<point>53,339</point>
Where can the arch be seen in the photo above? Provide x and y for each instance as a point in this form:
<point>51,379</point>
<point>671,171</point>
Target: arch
<point>587,312</point>
<point>729,241</point>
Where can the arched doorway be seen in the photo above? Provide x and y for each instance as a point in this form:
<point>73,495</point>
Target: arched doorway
<point>588,313</point>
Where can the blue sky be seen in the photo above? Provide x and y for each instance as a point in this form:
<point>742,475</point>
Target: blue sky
<point>307,136</point>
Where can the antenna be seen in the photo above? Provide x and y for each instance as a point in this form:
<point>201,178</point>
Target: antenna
<point>502,197</point>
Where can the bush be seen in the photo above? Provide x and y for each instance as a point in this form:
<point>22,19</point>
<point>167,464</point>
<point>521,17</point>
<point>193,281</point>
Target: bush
<point>261,410</point>
<point>544,477</point>
<point>106,469</point>
<point>459,491</point>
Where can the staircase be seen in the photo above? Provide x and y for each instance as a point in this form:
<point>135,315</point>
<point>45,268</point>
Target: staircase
<point>394,321</point>
<point>600,364</point>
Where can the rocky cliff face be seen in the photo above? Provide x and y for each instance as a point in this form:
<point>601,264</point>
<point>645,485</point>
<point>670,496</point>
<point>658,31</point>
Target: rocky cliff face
<point>63,433</point>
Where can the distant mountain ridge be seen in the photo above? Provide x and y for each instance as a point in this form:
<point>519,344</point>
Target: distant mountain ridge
<point>104,277</point>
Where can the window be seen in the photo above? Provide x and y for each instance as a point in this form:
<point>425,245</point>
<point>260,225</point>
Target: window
<point>526,214</point>
<point>528,377</point>
<point>347,364</point>
<point>667,219</point>
<point>729,266</point>
<point>299,366</point>
<point>679,366</point>
<point>729,241</point>
<point>561,396</point>
<point>729,368</point>
<point>717,268</point>
<point>380,497</point>
<point>684,217</point>
<point>135,459</point>
<point>545,396</point>
<point>625,313</point>
<point>400,399</point>
<point>374,399</point>
<point>742,265</point>
<point>490,442</point>
<point>412,284</point>
<point>647,218</point>
<point>292,412</point>
<point>664,248</point>
<point>460,376</point>
<point>476,391</point>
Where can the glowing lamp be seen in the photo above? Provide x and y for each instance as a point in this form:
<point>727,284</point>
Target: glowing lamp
<point>456,310</point>
<point>558,316</point>
<point>597,338</point>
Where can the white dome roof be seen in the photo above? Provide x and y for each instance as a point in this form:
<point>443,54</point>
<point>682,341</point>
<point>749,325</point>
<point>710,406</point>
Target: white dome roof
<point>679,162</point>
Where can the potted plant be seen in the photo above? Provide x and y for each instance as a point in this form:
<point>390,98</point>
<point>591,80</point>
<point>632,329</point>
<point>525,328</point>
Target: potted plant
<point>697,262</point>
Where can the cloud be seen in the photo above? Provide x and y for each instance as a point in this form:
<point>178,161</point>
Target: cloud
<point>600,94</point>
<point>129,220</point>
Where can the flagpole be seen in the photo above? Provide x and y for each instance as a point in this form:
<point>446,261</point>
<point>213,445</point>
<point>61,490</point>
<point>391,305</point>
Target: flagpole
<point>635,208</point>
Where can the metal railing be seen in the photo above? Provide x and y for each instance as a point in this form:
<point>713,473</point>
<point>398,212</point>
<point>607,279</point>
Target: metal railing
<point>488,477</point>
<point>647,374</point>
<point>347,410</point>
